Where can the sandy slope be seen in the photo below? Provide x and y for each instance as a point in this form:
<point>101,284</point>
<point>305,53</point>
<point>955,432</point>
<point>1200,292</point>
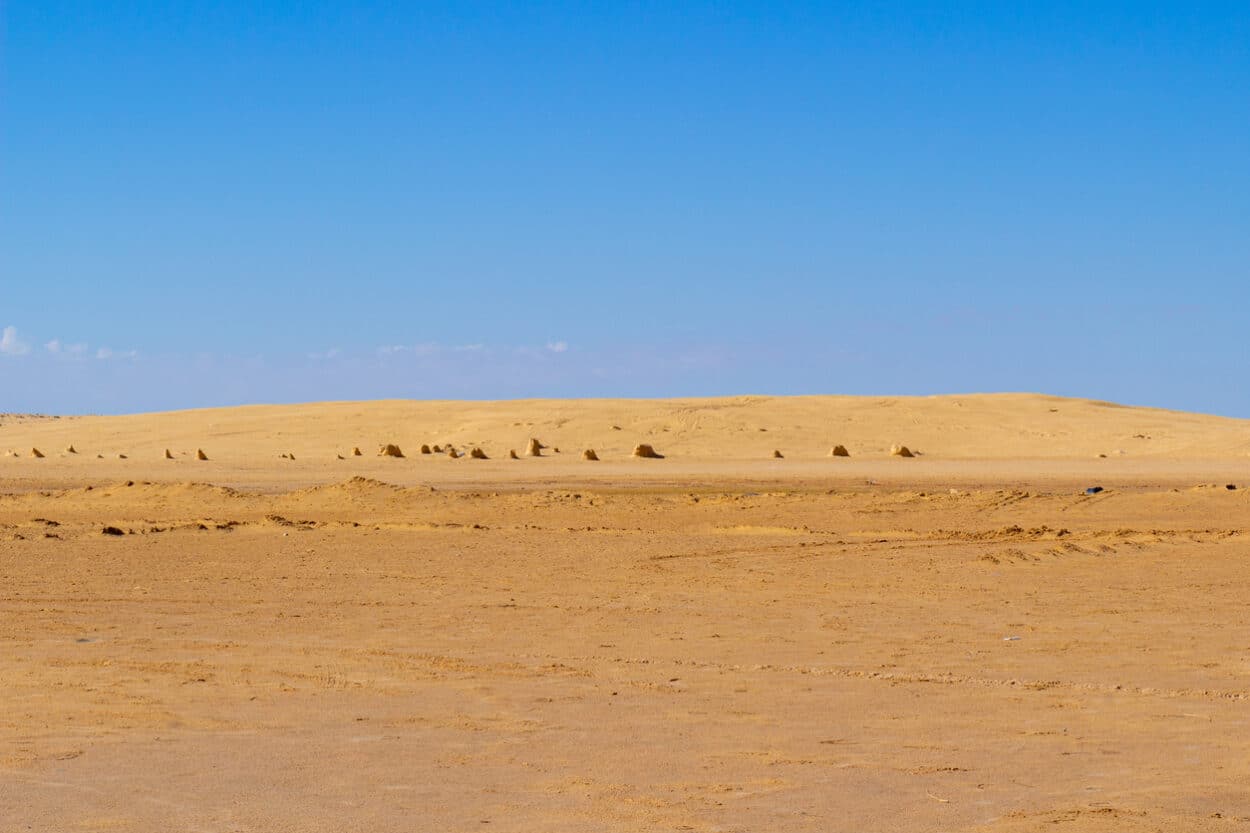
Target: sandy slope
<point>999,426</point>
<point>716,641</point>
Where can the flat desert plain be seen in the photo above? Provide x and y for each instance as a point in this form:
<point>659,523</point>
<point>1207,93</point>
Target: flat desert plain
<point>289,637</point>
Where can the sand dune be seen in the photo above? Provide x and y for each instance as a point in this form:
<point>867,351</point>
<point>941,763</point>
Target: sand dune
<point>998,426</point>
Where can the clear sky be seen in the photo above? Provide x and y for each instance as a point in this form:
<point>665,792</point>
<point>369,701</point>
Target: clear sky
<point>225,202</point>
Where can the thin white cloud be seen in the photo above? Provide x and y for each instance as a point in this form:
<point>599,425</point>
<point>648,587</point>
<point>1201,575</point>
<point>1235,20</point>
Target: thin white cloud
<point>430,349</point>
<point>59,348</point>
<point>452,352</point>
<point>326,355</point>
<point>399,349</point>
<point>106,353</point>
<point>10,344</point>
<point>414,349</point>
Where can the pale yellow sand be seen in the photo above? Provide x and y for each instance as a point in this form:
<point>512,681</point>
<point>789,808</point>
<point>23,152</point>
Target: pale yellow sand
<point>718,640</point>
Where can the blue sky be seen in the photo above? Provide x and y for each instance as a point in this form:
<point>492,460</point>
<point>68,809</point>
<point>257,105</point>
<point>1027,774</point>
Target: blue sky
<point>217,203</point>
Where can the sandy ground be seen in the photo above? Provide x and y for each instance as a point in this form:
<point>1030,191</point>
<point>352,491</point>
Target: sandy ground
<point>716,641</point>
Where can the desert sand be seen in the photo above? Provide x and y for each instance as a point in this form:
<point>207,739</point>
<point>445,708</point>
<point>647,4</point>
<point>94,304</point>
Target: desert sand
<point>288,636</point>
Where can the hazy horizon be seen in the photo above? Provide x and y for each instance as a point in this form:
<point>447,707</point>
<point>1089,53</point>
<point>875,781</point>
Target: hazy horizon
<point>296,404</point>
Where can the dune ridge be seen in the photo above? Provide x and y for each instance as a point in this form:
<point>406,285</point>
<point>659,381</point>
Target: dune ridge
<point>980,426</point>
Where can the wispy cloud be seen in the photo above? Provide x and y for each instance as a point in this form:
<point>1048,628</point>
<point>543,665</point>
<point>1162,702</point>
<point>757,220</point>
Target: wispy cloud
<point>557,346</point>
<point>413,349</point>
<point>107,353</point>
<point>58,348</point>
<point>428,349</point>
<point>10,344</point>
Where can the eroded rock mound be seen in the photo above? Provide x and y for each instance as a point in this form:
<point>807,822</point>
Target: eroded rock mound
<point>647,452</point>
<point>589,454</point>
<point>390,450</point>
<point>901,451</point>
<point>839,451</point>
<point>534,449</point>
